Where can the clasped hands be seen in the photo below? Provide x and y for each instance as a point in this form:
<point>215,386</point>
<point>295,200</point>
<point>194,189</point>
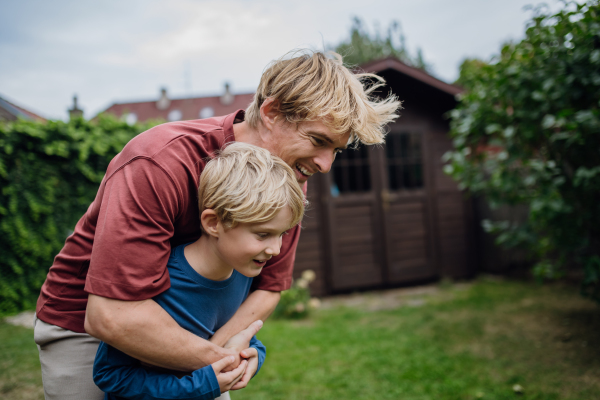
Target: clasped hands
<point>235,370</point>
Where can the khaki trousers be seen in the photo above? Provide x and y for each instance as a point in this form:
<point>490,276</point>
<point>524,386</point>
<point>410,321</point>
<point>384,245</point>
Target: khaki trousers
<point>67,360</point>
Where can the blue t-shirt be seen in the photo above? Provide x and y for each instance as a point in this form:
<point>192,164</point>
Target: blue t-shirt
<point>200,306</point>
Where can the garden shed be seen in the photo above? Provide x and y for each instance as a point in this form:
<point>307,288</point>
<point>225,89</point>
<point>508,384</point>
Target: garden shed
<point>388,215</point>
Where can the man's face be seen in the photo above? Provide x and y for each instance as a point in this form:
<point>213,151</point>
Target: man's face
<point>308,147</point>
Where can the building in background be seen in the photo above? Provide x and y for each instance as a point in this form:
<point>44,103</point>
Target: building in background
<point>75,111</point>
<point>169,109</point>
<point>385,215</point>
<point>11,112</point>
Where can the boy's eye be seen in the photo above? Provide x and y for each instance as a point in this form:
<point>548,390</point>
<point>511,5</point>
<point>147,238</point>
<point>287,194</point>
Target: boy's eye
<point>262,235</point>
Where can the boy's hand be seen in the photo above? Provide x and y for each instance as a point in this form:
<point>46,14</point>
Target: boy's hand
<point>251,354</point>
<point>241,341</point>
<point>228,379</point>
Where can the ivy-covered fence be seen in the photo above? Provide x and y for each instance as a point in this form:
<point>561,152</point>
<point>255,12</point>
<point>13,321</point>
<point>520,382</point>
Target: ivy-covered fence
<point>49,174</point>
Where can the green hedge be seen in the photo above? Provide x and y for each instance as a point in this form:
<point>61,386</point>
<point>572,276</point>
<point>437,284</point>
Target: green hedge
<point>527,131</point>
<point>49,174</point>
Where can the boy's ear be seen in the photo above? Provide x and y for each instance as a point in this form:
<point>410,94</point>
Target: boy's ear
<point>210,222</point>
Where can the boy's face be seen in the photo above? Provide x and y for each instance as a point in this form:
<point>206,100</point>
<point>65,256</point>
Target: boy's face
<point>308,148</point>
<point>248,246</point>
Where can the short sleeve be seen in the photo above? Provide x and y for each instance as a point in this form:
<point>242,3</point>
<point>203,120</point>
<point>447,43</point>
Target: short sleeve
<point>131,243</point>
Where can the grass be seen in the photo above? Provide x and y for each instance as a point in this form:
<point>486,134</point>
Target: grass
<point>20,375</point>
<point>470,343</point>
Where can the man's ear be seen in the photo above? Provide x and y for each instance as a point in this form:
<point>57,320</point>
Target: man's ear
<point>210,222</point>
<point>269,113</point>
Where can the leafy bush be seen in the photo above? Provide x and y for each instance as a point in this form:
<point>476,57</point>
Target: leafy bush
<point>49,175</point>
<point>527,131</point>
<point>296,302</point>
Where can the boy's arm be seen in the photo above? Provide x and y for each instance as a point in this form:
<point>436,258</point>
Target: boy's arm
<point>144,330</point>
<point>121,375</point>
<point>262,352</point>
<point>259,305</point>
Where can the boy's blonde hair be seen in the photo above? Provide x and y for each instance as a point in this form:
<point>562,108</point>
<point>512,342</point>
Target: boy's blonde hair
<point>246,183</point>
<point>312,86</point>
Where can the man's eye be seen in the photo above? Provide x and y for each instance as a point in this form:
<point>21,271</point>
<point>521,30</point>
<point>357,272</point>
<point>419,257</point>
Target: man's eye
<point>316,141</point>
<point>262,235</point>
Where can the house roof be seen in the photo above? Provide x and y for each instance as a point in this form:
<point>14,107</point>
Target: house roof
<point>10,112</point>
<point>182,109</point>
<point>383,64</point>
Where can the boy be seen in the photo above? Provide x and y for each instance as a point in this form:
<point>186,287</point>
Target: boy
<point>248,199</point>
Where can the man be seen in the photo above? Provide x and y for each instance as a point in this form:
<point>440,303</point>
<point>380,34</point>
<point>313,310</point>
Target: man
<point>306,109</point>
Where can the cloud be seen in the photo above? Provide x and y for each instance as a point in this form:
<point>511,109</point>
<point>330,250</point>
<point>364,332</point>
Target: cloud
<point>114,50</point>
<point>203,29</point>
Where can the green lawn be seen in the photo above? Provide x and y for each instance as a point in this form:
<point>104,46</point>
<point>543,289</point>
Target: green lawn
<point>20,375</point>
<point>468,343</point>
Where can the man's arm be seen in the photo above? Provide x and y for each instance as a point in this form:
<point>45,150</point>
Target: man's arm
<point>259,305</point>
<point>144,330</point>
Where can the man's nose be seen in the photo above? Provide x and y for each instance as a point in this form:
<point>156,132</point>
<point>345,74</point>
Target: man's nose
<point>324,160</point>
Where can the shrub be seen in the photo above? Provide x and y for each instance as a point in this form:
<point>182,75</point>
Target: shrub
<point>296,302</point>
<point>49,174</point>
<point>527,131</point>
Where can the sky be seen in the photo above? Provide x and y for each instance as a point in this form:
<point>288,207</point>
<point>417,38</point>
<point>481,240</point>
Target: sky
<point>113,51</point>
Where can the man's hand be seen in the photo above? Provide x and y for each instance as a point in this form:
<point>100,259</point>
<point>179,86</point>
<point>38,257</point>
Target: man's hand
<point>228,379</point>
<point>251,354</point>
<point>241,341</point>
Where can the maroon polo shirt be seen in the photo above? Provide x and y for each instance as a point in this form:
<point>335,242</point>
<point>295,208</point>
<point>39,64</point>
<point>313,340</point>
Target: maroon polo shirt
<point>147,203</point>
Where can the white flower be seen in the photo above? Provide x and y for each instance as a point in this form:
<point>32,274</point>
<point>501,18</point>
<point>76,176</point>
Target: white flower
<point>314,303</point>
<point>309,275</point>
<point>302,283</point>
<point>299,307</point>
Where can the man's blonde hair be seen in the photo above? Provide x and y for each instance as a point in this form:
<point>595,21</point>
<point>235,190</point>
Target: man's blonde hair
<point>246,183</point>
<point>312,86</point>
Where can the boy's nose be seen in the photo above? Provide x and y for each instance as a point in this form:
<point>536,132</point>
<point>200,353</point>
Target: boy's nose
<point>274,247</point>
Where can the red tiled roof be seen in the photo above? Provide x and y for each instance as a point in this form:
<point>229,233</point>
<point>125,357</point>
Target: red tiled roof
<point>31,114</point>
<point>17,111</point>
<point>189,108</point>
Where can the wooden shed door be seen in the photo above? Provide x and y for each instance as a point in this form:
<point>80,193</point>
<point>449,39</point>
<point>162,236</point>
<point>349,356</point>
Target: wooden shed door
<point>354,222</point>
<point>404,206</point>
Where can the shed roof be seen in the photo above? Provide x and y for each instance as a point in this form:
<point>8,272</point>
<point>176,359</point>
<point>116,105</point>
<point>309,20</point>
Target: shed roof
<point>383,64</point>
